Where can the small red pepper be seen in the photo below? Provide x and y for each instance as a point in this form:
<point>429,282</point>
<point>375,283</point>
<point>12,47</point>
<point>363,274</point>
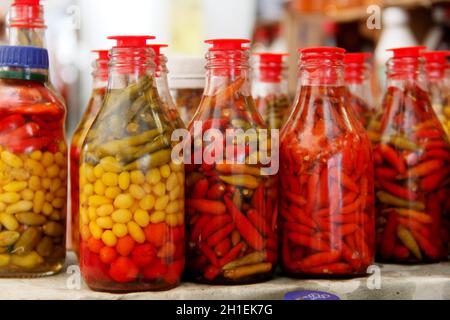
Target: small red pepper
<point>204,206</point>
<point>26,131</point>
<point>307,241</point>
<point>393,158</point>
<point>232,254</point>
<point>220,235</point>
<point>11,123</point>
<point>200,189</point>
<point>243,225</point>
<point>29,145</point>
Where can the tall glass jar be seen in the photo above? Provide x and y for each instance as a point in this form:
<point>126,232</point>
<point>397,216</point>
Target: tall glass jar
<point>33,166</point>
<point>131,193</point>
<point>162,85</point>
<point>26,24</point>
<point>231,206</point>
<point>359,86</point>
<point>411,166</point>
<point>187,83</point>
<point>270,88</point>
<point>100,82</point>
<point>438,87</point>
<point>326,174</point>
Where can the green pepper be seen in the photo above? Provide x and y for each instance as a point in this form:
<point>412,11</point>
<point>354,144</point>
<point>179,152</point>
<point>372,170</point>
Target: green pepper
<point>246,181</point>
<point>114,147</point>
<point>252,258</point>
<point>388,198</point>
<point>154,160</point>
<point>133,153</point>
<point>408,240</point>
<point>403,143</point>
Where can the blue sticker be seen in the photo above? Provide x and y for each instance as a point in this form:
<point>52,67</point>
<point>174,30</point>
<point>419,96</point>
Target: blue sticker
<point>310,295</point>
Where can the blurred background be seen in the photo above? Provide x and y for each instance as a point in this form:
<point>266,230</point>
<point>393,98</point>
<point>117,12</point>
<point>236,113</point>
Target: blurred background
<point>77,26</point>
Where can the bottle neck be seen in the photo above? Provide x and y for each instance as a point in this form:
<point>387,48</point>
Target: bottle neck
<point>27,26</point>
<point>435,71</point>
<point>404,70</point>
<point>269,79</point>
<point>36,75</point>
<point>226,67</point>
<point>100,74</point>
<point>321,70</point>
<point>130,65</point>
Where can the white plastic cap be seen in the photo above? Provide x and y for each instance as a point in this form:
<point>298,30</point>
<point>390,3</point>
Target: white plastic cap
<point>186,72</point>
<point>395,16</point>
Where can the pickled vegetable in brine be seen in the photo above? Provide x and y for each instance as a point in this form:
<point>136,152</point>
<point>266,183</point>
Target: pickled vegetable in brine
<point>326,174</point>
<point>231,206</point>
<point>411,168</point>
<point>131,193</point>
<point>33,167</point>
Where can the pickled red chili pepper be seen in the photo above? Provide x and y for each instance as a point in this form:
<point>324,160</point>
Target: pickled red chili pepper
<point>326,174</point>
<point>231,207</point>
<point>358,83</point>
<point>131,192</point>
<point>33,166</point>
<point>270,88</point>
<point>100,78</point>
<point>412,169</point>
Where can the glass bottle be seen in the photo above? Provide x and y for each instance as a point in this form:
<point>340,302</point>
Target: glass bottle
<point>163,86</point>
<point>33,166</point>
<point>187,83</point>
<point>231,206</point>
<point>131,193</point>
<point>326,174</point>
<point>270,88</point>
<point>100,82</point>
<point>26,24</point>
<point>411,166</point>
<point>358,83</point>
<point>438,87</point>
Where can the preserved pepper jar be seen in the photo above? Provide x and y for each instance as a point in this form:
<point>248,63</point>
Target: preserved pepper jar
<point>131,193</point>
<point>326,174</point>
<point>231,207</point>
<point>33,166</point>
<point>26,23</point>
<point>163,86</point>
<point>270,88</point>
<point>187,83</point>
<point>411,167</point>
<point>100,82</point>
<point>359,86</point>
<point>438,87</point>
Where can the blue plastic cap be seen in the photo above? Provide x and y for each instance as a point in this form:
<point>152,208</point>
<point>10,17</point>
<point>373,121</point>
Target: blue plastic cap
<point>23,57</point>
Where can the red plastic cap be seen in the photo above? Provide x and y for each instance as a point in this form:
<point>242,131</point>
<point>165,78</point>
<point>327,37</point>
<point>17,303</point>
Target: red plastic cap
<point>102,54</point>
<point>131,41</point>
<point>270,66</point>
<point>357,58</point>
<point>27,2</point>
<point>436,56</point>
<point>408,52</point>
<point>157,48</point>
<point>227,44</point>
<point>266,57</point>
<point>324,50</point>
